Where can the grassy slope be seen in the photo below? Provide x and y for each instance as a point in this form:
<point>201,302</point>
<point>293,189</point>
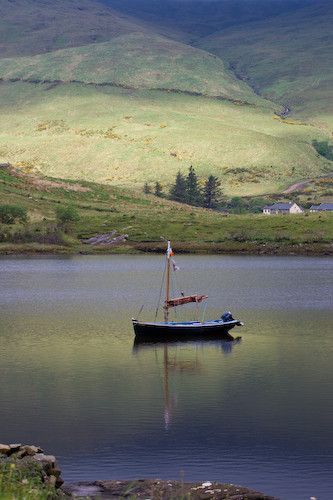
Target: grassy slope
<point>289,58</point>
<point>134,60</point>
<point>146,218</point>
<point>128,137</point>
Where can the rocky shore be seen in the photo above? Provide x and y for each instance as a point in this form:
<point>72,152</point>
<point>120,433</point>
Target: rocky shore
<point>30,461</point>
<point>156,489</point>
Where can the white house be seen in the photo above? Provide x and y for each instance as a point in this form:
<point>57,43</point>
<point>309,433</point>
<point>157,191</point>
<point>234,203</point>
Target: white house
<point>283,208</point>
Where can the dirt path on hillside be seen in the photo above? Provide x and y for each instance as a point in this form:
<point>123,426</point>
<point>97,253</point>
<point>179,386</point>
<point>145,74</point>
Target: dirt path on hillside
<point>297,186</point>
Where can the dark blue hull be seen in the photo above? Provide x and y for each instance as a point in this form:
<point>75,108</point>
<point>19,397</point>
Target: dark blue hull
<point>191,329</point>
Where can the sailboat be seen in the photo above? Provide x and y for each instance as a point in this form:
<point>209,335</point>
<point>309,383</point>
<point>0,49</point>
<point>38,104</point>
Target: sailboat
<point>178,329</point>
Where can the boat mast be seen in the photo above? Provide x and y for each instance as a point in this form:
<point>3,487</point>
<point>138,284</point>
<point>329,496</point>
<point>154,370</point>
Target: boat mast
<point>167,283</point>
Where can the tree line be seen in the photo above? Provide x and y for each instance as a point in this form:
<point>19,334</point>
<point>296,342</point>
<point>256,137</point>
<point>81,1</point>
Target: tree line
<point>187,189</point>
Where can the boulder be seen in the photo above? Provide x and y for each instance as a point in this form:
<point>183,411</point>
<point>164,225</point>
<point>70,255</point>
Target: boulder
<point>28,450</point>
<point>14,447</point>
<point>4,449</point>
<point>47,462</point>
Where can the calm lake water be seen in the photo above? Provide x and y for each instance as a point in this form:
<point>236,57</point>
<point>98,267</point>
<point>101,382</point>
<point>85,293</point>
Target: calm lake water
<point>257,412</point>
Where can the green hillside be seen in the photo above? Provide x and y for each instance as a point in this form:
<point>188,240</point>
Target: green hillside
<point>125,137</point>
<point>288,58</point>
<point>135,60</point>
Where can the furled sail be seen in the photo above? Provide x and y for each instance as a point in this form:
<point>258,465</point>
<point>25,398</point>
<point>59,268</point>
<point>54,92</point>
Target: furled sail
<point>179,301</point>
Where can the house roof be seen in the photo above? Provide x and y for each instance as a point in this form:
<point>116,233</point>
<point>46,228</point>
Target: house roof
<point>280,206</point>
<point>323,207</point>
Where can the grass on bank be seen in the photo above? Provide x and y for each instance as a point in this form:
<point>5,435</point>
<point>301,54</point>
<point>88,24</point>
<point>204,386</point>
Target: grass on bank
<point>23,483</point>
<point>145,219</point>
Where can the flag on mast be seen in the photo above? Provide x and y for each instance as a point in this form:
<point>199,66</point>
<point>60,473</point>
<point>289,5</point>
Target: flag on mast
<point>169,251</point>
<point>174,265</point>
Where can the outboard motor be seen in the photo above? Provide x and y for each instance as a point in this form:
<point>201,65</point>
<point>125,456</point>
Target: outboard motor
<point>227,316</point>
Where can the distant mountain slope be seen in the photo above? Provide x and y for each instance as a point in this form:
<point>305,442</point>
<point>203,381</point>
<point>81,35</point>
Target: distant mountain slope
<point>197,18</point>
<point>288,58</point>
<point>134,60</point>
<point>35,26</point>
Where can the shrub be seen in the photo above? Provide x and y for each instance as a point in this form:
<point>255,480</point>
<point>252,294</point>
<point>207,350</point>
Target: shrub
<point>9,214</point>
<point>44,234</point>
<point>67,216</point>
<point>324,148</point>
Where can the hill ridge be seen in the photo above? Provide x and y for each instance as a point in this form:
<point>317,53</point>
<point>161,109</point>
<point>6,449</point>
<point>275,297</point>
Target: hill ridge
<point>134,60</point>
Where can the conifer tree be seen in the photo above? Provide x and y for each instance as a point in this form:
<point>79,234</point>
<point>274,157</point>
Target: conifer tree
<point>212,192</point>
<point>158,189</point>
<point>178,190</point>
<point>146,188</point>
<point>193,193</point>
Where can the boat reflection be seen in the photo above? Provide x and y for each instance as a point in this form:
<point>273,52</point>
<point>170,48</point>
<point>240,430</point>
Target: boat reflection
<point>224,340</point>
<point>172,364</point>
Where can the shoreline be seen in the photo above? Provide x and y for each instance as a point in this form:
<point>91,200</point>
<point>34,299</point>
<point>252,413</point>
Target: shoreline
<point>186,248</point>
<point>27,472</point>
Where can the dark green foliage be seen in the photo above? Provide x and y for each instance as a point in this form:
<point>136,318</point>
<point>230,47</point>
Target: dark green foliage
<point>45,234</point>
<point>158,189</point>
<point>4,233</point>
<point>255,205</point>
<point>178,190</point>
<point>212,192</point>
<point>237,205</point>
<point>324,148</point>
<point>42,232</point>
<point>67,216</point>
<point>193,193</point>
<point>9,214</point>
<point>240,205</point>
<point>187,190</point>
<point>146,188</point>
